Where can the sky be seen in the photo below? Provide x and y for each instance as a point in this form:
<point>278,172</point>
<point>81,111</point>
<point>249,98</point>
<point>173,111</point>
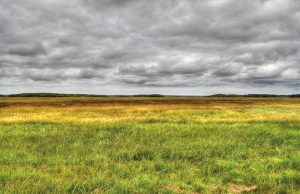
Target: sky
<point>175,47</point>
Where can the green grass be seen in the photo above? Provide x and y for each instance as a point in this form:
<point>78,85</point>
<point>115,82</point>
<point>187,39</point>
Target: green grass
<point>150,149</point>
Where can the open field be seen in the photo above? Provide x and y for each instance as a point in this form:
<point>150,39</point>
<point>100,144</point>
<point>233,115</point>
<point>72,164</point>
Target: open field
<point>149,145</point>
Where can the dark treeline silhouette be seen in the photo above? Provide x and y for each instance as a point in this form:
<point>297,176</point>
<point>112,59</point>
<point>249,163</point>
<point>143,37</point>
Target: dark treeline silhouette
<point>49,95</point>
<point>142,95</point>
<point>256,95</point>
<point>75,95</point>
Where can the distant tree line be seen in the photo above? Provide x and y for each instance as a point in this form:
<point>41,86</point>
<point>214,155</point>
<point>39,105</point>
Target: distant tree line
<point>47,95</point>
<point>141,95</point>
<point>255,95</point>
<point>75,95</point>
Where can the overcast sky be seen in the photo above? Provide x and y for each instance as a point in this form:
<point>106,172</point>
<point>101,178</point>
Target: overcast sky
<point>191,47</point>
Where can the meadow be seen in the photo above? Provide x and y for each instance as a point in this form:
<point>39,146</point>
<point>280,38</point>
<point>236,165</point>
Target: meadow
<point>149,145</point>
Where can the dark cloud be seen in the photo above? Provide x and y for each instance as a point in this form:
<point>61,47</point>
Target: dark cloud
<point>139,46</point>
<point>27,50</point>
<point>227,70</point>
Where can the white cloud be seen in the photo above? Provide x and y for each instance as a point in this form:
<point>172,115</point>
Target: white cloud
<point>160,45</point>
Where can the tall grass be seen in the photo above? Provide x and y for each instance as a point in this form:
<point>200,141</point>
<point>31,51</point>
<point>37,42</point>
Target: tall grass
<point>65,145</point>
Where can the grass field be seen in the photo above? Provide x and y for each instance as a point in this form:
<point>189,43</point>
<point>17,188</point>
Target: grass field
<point>149,145</point>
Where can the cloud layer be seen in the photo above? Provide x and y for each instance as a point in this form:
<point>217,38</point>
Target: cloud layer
<point>140,46</point>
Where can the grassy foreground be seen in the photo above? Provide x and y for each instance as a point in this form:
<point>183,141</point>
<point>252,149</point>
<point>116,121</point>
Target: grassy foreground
<point>149,145</point>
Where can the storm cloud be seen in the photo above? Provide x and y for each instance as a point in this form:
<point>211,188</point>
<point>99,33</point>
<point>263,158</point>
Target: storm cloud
<point>140,46</point>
